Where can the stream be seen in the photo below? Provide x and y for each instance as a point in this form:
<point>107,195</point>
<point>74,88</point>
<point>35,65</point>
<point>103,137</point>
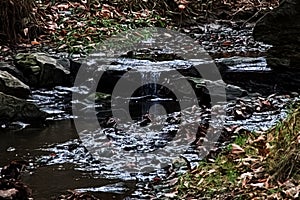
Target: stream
<point>59,161</point>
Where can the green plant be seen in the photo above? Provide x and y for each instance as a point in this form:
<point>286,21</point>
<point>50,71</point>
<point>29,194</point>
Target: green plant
<point>285,160</point>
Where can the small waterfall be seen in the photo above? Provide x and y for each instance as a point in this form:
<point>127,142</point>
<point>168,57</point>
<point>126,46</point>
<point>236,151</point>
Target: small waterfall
<point>150,89</point>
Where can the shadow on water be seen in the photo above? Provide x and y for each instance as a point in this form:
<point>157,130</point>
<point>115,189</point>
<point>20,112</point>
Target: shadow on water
<point>49,181</point>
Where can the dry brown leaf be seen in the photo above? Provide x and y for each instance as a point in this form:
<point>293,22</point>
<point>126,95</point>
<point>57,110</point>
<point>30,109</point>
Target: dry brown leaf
<point>237,150</point>
<point>260,185</point>
<point>181,7</point>
<point>63,46</point>
<point>173,181</point>
<point>171,195</point>
<point>8,194</point>
<point>63,6</point>
<point>34,42</point>
<point>259,139</point>
<point>25,31</point>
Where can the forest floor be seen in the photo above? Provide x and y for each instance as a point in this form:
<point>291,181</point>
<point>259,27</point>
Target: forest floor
<point>77,26</point>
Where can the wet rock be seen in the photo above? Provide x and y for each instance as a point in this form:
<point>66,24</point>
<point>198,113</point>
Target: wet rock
<point>136,71</point>
<point>254,75</point>
<point>12,70</point>
<point>281,28</point>
<point>42,70</point>
<point>152,55</point>
<point>206,88</point>
<point>75,64</point>
<point>145,120</point>
<point>13,86</point>
<point>15,109</point>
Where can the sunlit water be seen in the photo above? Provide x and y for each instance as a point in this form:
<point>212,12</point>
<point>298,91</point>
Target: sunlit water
<point>59,161</point>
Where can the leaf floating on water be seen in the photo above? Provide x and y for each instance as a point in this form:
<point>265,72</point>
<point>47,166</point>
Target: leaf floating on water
<point>10,149</point>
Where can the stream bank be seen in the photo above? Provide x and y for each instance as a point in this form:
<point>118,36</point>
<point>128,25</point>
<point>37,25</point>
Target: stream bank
<point>55,148</point>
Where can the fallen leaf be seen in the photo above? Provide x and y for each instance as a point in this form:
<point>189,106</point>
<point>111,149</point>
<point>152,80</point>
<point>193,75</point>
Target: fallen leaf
<point>34,42</point>
<point>173,181</point>
<point>25,31</point>
<point>181,7</point>
<point>63,6</point>
<point>236,149</point>
<point>8,194</point>
<point>261,185</point>
<point>171,195</point>
<point>63,46</point>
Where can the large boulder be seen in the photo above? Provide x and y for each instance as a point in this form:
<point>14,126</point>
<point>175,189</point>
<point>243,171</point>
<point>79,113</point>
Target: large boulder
<point>15,109</point>
<point>281,28</point>
<point>4,66</point>
<point>42,70</point>
<point>13,86</point>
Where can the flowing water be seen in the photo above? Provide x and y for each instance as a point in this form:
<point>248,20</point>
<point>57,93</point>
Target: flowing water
<point>58,161</point>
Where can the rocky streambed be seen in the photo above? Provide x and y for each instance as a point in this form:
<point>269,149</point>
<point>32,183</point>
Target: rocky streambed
<point>58,160</point>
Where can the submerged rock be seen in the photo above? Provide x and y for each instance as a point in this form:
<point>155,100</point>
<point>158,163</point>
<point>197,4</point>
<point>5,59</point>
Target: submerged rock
<point>15,109</point>
<point>42,70</point>
<point>281,28</point>
<point>13,86</point>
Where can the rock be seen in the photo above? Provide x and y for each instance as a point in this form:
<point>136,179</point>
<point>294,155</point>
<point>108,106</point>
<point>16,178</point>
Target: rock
<point>75,64</point>
<point>42,70</point>
<point>13,86</point>
<point>13,71</point>
<point>255,76</point>
<point>281,28</point>
<point>206,88</point>
<point>65,62</point>
<point>152,55</point>
<point>15,109</point>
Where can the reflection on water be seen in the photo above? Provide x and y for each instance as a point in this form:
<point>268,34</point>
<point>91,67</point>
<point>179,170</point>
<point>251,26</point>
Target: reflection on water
<point>27,141</point>
<point>48,181</point>
<point>59,161</point>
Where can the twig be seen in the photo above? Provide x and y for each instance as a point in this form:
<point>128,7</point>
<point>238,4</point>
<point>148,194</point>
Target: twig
<point>255,15</point>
